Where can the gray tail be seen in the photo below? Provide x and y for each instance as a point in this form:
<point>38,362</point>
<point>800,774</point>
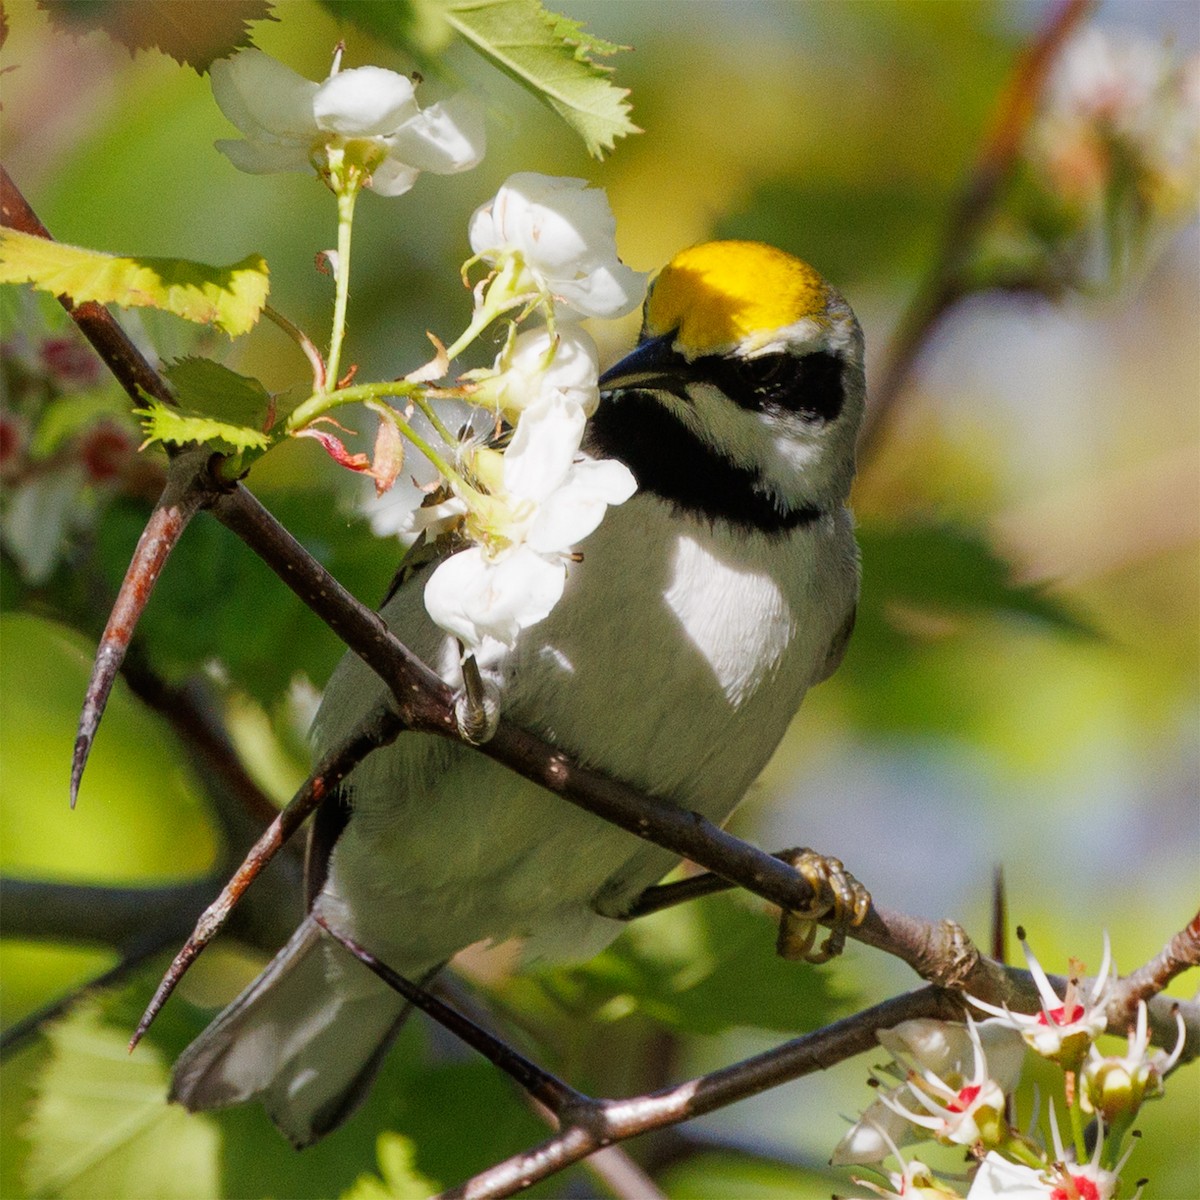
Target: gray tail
<point>307,1038</point>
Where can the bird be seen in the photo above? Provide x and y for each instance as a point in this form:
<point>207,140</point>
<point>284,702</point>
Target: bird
<point>692,625</point>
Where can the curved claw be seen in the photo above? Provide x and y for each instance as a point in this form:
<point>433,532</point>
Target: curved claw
<point>837,895</point>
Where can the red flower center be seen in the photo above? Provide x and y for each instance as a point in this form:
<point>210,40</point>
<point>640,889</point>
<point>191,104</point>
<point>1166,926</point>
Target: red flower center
<point>964,1100</point>
<point>1082,1188</point>
<point>1062,1015</point>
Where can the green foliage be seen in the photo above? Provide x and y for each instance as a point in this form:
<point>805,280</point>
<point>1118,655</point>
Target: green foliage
<point>99,1126</point>
<point>230,298</point>
<point>397,1166</point>
<point>551,57</point>
<point>215,405</point>
<point>169,425</point>
<point>193,34</point>
<point>687,968</point>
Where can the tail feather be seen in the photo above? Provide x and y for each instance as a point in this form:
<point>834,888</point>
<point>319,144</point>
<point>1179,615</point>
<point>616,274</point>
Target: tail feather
<point>306,1038</point>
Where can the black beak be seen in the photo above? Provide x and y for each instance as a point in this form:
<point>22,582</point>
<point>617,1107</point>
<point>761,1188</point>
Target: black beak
<point>655,363</point>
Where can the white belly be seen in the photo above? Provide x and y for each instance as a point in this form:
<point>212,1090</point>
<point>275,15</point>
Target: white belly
<point>674,662</point>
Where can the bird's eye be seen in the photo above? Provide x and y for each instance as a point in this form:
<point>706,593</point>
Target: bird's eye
<point>808,384</point>
<point>768,376</point>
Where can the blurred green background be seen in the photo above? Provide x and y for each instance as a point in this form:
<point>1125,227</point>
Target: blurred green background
<point>956,737</point>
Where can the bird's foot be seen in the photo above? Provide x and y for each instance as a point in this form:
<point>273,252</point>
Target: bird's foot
<point>837,895</point>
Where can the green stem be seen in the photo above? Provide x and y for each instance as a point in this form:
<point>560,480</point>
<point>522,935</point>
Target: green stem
<point>346,197</point>
<point>320,403</point>
<point>422,402</point>
<point>1077,1130</point>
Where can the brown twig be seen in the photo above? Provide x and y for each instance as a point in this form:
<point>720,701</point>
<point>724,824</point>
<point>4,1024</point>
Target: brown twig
<point>183,497</point>
<point>545,1088</point>
<point>380,729</point>
<point>609,1121</point>
<point>945,283</point>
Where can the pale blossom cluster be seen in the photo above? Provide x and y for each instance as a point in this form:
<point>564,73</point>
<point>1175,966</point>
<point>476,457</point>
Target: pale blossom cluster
<point>956,1084</point>
<point>1115,151</point>
<point>551,246</point>
<point>519,500</point>
<point>365,117</point>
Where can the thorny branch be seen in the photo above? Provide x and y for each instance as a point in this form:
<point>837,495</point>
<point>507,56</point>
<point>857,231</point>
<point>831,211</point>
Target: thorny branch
<point>588,1124</point>
<point>939,953</point>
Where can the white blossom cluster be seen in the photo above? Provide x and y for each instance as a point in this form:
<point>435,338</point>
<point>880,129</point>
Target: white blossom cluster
<point>524,497</point>
<point>955,1082</point>
<point>1115,150</point>
<point>551,245</point>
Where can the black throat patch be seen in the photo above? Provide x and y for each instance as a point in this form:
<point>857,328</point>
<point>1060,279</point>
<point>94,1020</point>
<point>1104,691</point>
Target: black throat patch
<point>670,461</point>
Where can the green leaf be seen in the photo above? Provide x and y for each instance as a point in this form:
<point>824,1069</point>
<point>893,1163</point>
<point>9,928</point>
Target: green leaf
<point>101,1125</point>
<point>397,1165</point>
<point>551,57</point>
<point>194,34</point>
<point>229,297</point>
<point>210,389</point>
<point>950,570</point>
<point>215,405</point>
<point>705,967</point>
<point>165,424</point>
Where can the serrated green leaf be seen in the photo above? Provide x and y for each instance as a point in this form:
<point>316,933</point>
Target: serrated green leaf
<point>209,389</point>
<point>194,34</point>
<point>101,1124</point>
<point>229,297</point>
<point>164,424</point>
<point>548,55</point>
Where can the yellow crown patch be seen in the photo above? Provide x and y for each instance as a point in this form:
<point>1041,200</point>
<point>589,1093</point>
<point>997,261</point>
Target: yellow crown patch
<point>717,294</point>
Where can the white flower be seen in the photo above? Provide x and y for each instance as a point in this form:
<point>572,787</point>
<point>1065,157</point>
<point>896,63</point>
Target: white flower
<point>550,500</point>
<point>1066,1027</point>
<point>368,114</point>
<point>960,1109</point>
<point>944,1049</point>
<point>1000,1179</point>
<point>537,364</point>
<point>560,236</point>
<point>474,597</point>
<point>1114,1086</point>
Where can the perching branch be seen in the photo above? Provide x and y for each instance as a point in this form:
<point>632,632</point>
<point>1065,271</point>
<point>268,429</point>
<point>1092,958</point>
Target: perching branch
<point>587,1124</point>
<point>938,953</point>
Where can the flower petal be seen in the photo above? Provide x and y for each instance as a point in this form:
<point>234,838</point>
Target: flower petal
<point>393,177</point>
<point>611,290</point>
<point>543,449</point>
<point>262,96</point>
<point>364,102</point>
<point>444,138</point>
<point>575,509</point>
<point>475,598</point>
<point>264,158</point>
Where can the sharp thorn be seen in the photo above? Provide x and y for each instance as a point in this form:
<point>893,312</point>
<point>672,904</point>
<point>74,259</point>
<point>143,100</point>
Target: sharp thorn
<point>167,522</point>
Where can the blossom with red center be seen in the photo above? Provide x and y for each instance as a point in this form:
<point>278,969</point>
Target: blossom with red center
<point>1067,1025</point>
